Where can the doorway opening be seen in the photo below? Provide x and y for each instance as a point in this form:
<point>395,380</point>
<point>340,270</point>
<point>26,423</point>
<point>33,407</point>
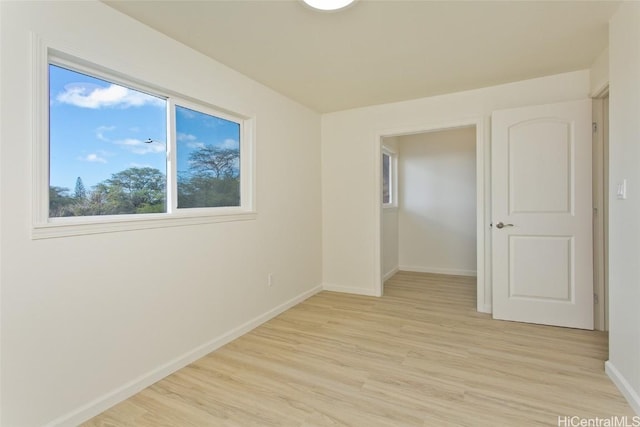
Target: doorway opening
<point>432,203</point>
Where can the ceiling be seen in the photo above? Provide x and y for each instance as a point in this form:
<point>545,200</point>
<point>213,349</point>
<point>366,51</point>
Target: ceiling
<point>376,52</point>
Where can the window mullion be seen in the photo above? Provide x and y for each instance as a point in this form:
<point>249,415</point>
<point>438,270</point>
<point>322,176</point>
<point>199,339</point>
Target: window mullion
<point>172,165</point>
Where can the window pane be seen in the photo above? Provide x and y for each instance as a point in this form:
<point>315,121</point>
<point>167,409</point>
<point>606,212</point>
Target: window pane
<point>208,157</point>
<point>386,170</point>
<point>107,150</point>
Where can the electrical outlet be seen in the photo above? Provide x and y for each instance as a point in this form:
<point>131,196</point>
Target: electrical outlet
<point>270,279</point>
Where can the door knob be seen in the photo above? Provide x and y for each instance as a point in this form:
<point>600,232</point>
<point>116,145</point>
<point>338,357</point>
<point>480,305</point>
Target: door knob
<point>502,225</point>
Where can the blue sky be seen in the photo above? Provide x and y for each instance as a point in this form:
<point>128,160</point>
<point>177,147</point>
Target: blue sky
<point>98,128</point>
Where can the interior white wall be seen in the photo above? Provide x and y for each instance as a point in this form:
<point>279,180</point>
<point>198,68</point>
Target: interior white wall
<point>350,158</point>
<point>390,224</point>
<point>86,320</point>
<point>437,214</point>
<point>624,225</point>
<point>600,73</point>
<point>389,242</point>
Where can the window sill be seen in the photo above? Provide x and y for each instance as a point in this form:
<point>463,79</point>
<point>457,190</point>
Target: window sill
<point>66,227</point>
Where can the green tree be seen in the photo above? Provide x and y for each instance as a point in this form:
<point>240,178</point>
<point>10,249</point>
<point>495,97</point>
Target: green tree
<point>137,189</point>
<point>215,161</point>
<point>80,192</point>
<point>133,190</point>
<point>213,178</point>
<point>59,201</point>
<point>206,191</point>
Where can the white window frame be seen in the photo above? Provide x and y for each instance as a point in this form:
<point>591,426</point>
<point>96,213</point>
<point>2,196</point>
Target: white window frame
<point>45,227</point>
<point>393,177</point>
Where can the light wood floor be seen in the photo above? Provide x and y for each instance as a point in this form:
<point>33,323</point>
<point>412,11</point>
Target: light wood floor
<point>419,356</point>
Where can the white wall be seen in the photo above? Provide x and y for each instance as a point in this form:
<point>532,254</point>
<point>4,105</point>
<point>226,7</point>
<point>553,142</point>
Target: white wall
<point>87,320</point>
<point>624,215</point>
<point>437,215</point>
<point>600,73</point>
<point>389,242</point>
<point>350,153</point>
<point>390,225</point>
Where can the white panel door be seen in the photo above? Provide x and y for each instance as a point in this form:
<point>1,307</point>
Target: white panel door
<point>542,215</point>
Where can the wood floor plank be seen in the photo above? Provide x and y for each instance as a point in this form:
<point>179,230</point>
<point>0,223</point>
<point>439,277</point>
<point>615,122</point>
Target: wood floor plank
<point>419,356</point>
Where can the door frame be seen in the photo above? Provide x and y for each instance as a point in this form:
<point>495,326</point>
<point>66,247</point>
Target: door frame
<point>601,204</point>
<point>483,202</point>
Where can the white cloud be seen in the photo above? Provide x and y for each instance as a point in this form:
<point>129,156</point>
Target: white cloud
<point>140,147</point>
<point>229,143</point>
<point>190,140</point>
<point>186,137</point>
<point>134,145</point>
<point>100,131</point>
<point>196,144</point>
<point>86,95</point>
<point>93,158</point>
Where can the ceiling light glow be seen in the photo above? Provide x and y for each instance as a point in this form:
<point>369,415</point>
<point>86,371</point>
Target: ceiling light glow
<point>328,4</point>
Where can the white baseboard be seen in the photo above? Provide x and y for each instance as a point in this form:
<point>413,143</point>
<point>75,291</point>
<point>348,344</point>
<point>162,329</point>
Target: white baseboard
<point>350,290</point>
<point>437,270</point>
<point>388,275</point>
<point>110,399</point>
<point>623,385</point>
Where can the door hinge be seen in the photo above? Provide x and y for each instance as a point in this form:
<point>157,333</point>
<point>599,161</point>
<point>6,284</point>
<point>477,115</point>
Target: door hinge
<point>595,298</point>
<point>594,126</point>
